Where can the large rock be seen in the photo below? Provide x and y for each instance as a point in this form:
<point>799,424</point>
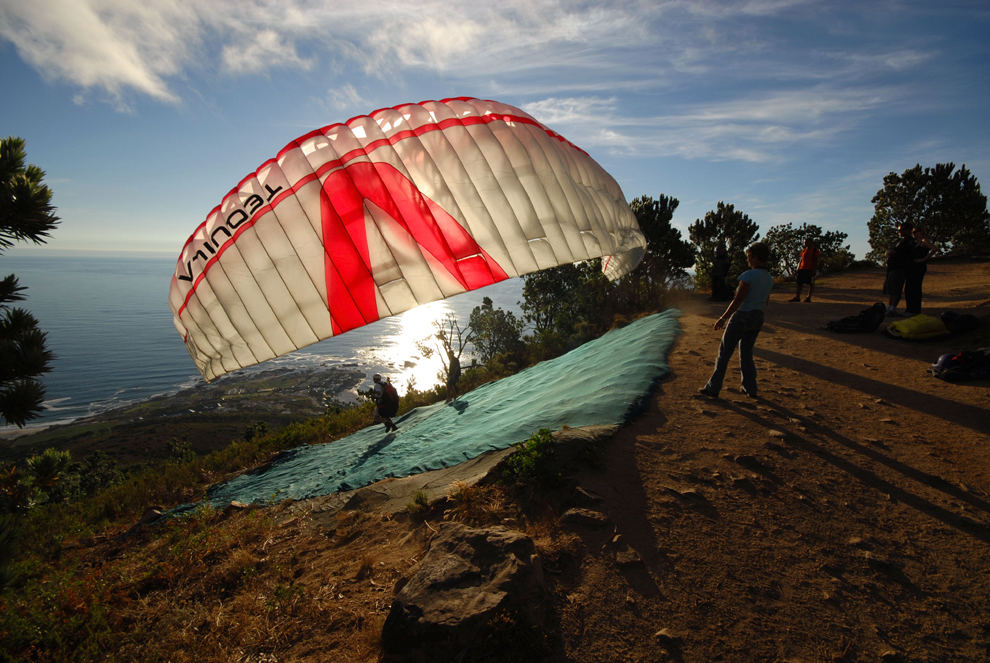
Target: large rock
<point>467,577</point>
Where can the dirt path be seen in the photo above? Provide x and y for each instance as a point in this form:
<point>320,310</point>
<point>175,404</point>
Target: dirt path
<point>844,515</point>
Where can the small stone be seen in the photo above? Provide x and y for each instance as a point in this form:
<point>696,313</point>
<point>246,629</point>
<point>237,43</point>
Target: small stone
<point>584,517</point>
<point>586,496</point>
<point>628,557</point>
<point>151,514</point>
<point>777,433</point>
<point>743,483</point>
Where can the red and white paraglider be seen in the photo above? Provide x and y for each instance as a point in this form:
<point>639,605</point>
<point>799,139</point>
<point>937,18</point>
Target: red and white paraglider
<point>362,220</point>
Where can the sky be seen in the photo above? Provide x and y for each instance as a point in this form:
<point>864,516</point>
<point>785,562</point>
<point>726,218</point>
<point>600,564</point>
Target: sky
<point>145,114</point>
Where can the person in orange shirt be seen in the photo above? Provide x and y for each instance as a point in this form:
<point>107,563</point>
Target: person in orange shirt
<point>807,269</point>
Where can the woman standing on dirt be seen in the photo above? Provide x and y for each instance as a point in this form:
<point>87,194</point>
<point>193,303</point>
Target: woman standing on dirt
<point>915,274</point>
<point>744,315</point>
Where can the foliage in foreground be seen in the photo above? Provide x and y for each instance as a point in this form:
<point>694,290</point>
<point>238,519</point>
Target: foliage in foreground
<point>26,214</point>
<point>533,463</point>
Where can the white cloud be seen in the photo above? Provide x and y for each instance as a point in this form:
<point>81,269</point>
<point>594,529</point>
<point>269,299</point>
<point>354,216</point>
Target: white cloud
<point>756,128</point>
<point>265,50</point>
<point>108,45</point>
<point>348,99</point>
<point>524,48</point>
<point>567,110</point>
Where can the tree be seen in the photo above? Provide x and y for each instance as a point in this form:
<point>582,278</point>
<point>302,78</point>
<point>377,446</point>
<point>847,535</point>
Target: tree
<point>667,255</point>
<point>48,470</point>
<point>786,241</point>
<point>566,306</point>
<point>450,339</point>
<point>496,332</point>
<point>947,202</point>
<point>723,225</point>
<point>26,213</point>
<point>570,304</point>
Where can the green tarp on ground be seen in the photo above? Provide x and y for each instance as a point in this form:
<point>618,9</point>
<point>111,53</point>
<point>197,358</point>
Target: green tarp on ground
<point>602,382</point>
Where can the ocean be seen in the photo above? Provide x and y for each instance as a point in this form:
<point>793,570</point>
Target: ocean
<point>110,328</point>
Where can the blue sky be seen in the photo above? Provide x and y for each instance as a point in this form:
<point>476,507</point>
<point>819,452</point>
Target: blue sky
<point>144,114</point>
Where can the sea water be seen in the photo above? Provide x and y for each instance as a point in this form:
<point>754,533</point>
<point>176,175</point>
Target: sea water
<point>110,328</point>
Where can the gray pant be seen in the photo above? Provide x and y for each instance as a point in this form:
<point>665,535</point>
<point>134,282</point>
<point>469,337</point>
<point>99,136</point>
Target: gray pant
<point>742,329</point>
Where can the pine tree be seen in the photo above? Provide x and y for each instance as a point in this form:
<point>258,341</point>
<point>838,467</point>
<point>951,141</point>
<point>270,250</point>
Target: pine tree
<point>725,226</point>
<point>26,214</point>
<point>947,202</point>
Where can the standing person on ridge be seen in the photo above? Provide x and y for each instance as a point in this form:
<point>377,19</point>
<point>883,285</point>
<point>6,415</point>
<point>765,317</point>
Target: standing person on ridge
<point>899,259</point>
<point>807,269</point>
<point>720,270</point>
<point>744,316</point>
<point>387,400</point>
<point>453,374</point>
<point>915,273</point>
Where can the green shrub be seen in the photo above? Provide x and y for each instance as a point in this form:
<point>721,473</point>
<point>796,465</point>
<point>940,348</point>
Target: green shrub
<point>533,463</point>
<point>420,505</point>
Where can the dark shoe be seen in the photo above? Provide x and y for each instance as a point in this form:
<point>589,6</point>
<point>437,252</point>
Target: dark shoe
<point>704,391</point>
<point>749,392</point>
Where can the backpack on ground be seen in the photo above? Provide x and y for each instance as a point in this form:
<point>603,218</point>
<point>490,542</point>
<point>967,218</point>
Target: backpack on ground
<point>919,327</point>
<point>867,320</point>
<point>960,322</point>
<point>963,365</point>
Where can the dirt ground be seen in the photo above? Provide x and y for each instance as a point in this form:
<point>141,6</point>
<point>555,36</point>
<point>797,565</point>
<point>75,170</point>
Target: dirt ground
<point>842,516</point>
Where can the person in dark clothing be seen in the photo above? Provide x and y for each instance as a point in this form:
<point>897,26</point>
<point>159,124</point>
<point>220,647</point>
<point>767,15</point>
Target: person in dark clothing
<point>915,274</point>
<point>387,400</point>
<point>720,270</point>
<point>453,374</point>
<point>900,257</point>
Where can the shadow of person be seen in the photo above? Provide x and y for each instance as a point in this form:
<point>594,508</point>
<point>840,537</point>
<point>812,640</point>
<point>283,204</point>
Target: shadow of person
<point>869,477</point>
<point>460,405</point>
<point>375,449</point>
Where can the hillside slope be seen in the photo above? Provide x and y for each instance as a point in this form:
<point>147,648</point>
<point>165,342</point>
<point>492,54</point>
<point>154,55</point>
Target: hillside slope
<point>842,516</point>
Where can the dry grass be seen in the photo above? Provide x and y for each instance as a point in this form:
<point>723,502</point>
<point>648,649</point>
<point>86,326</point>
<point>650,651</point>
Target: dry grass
<point>261,584</point>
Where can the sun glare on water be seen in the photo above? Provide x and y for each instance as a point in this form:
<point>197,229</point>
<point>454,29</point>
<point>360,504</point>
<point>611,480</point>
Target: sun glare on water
<point>413,328</point>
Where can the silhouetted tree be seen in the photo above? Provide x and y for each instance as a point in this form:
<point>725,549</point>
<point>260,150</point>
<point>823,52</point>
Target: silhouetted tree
<point>723,225</point>
<point>786,241</point>
<point>26,213</point>
<point>667,257</point>
<point>450,339</point>
<point>947,202</point>
<point>496,332</point>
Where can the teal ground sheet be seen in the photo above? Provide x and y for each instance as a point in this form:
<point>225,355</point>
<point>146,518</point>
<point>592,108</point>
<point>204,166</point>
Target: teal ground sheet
<point>603,382</point>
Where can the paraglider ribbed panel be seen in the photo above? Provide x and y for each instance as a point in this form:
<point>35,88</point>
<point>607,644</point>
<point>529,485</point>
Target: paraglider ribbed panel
<point>356,221</point>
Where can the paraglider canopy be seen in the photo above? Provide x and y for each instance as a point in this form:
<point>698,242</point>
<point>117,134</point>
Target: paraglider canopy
<point>366,219</point>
